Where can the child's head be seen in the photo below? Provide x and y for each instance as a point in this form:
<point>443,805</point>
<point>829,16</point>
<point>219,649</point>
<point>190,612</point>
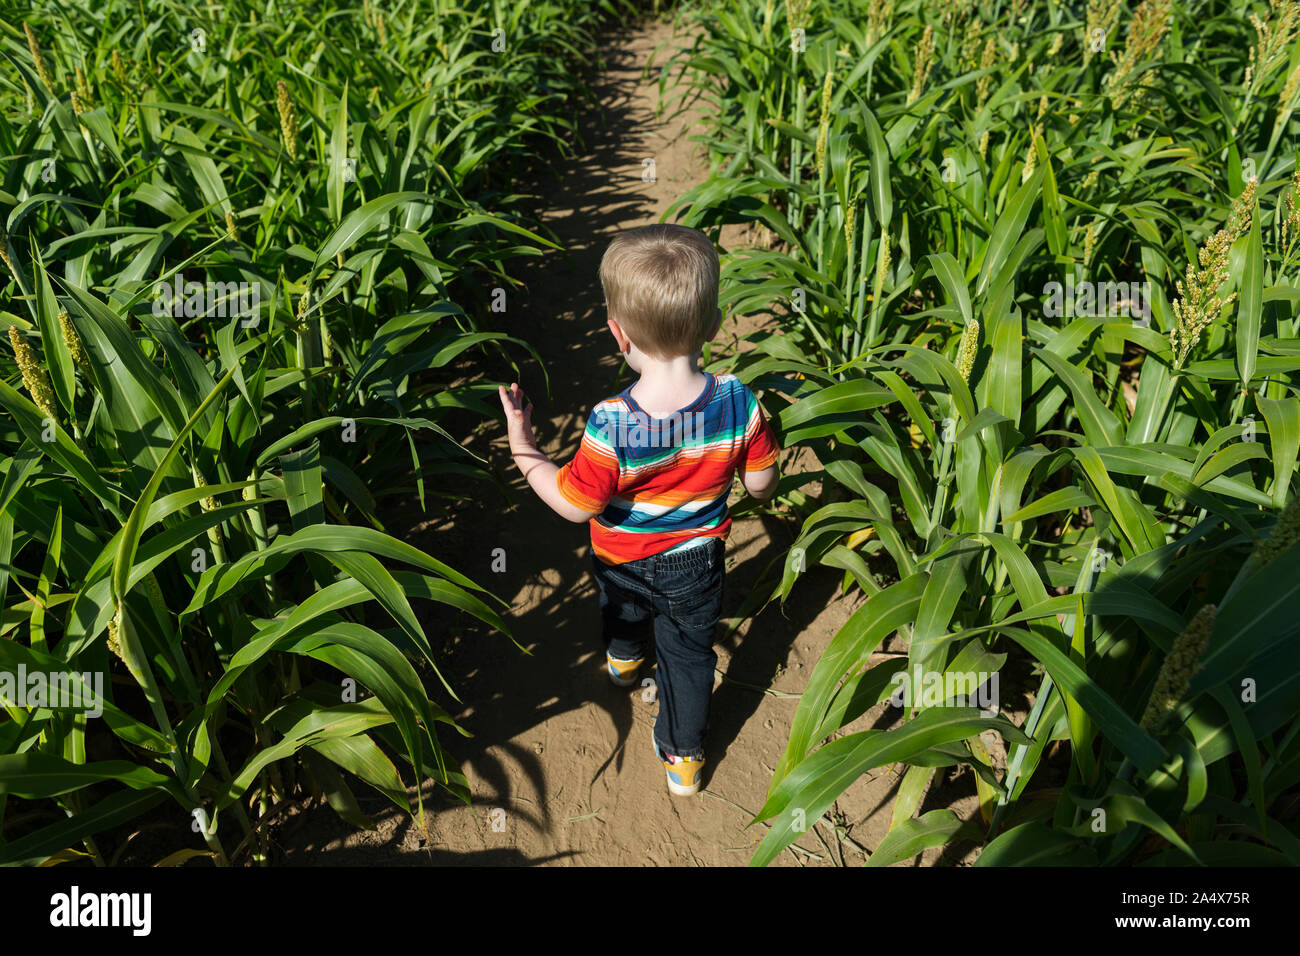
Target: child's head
<point>661,287</point>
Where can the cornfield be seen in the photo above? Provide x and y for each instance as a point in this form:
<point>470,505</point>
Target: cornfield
<point>1034,274</point>
<point>243,246</point>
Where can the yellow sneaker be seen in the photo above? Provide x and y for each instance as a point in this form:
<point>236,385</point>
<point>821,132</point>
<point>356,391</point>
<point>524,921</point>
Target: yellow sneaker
<point>684,773</point>
<point>622,673</point>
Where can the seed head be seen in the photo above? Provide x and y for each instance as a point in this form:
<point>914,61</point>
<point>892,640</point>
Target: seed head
<point>1031,160</point>
<point>967,348</point>
<point>988,59</point>
<point>1285,533</point>
<point>850,228</point>
<point>82,86</point>
<point>232,230</point>
<point>4,253</point>
<point>1242,209</point>
<point>924,63</point>
<point>1274,36</point>
<point>879,13</point>
<point>1198,303</point>
<point>1145,32</point>
<point>209,503</point>
<point>796,13</point>
<point>1179,667</point>
<point>824,127</point>
<point>1101,15</point>
<point>882,261</point>
<point>72,339</point>
<point>114,632</point>
<point>35,379</point>
<point>1291,223</point>
<point>288,120</point>
<point>37,59</point>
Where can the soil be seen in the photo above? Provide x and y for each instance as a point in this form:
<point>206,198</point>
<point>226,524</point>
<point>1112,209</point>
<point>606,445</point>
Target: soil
<point>560,764</point>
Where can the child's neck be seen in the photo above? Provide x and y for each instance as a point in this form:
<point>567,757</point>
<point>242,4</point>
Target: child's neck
<point>665,386</point>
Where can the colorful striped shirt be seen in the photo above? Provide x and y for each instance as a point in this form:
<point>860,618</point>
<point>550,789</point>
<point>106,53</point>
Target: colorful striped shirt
<point>660,484</point>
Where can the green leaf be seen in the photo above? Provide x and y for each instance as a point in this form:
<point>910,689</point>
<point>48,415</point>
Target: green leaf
<point>954,283</point>
<point>135,523</point>
<point>911,837</point>
<point>34,776</point>
<point>1283,418</point>
<point>848,649</point>
<point>338,154</point>
<point>1008,230</point>
<point>1250,304</point>
<point>1035,844</point>
<point>113,811</point>
<point>1100,707</point>
<point>361,221</point>
<point>56,352</point>
<point>812,786</point>
<point>62,450</point>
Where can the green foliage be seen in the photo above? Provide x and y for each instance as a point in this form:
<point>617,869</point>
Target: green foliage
<point>189,497</point>
<point>1001,475</point>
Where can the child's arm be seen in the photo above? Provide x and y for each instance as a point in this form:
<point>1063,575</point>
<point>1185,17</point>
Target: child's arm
<point>538,469</point>
<point>758,466</point>
<point>760,484</point>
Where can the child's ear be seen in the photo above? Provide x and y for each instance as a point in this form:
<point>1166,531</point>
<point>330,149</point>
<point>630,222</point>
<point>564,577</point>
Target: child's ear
<point>617,331</point>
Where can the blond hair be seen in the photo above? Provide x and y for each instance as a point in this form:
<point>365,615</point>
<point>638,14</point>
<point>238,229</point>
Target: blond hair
<point>661,287</point>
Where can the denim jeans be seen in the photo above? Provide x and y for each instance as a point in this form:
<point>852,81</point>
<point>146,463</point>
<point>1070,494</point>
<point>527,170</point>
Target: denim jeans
<point>676,599</point>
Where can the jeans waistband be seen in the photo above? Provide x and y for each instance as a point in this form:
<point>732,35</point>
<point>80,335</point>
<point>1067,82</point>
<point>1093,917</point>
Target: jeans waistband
<point>697,557</point>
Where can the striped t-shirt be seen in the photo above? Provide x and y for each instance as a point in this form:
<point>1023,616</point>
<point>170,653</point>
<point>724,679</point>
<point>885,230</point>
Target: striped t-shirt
<point>659,484</point>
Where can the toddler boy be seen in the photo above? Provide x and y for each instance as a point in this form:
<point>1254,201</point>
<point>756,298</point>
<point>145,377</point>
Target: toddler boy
<point>652,476</point>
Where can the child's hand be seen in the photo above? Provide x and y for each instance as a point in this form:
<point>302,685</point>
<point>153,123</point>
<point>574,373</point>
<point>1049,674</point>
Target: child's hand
<point>518,418</point>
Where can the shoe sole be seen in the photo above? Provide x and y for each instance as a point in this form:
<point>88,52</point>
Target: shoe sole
<point>679,790</point>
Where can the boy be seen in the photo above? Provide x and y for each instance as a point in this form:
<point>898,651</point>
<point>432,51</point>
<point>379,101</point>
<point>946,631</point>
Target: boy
<point>652,476</point>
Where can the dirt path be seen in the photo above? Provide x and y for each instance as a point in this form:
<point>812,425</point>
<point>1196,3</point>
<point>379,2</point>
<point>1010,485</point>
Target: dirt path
<point>561,765</point>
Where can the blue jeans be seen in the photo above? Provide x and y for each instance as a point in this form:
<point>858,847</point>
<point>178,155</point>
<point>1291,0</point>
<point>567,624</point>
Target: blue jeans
<point>677,600</point>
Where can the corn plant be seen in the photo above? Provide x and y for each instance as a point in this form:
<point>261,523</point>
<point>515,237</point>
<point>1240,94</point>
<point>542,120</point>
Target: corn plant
<point>1003,473</point>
